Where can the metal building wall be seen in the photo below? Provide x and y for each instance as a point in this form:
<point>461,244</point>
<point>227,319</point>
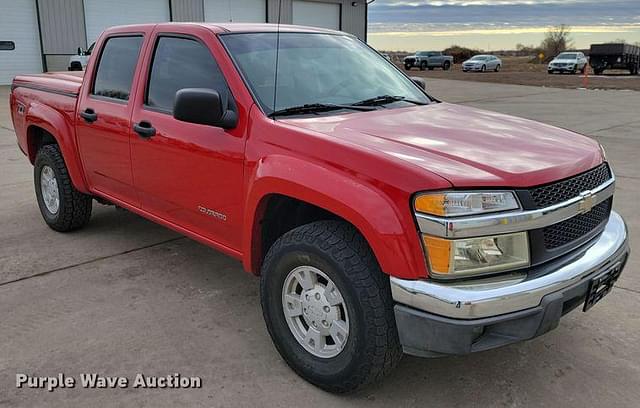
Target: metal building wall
<point>62,23</point>
<point>187,10</point>
<point>62,31</point>
<point>353,19</point>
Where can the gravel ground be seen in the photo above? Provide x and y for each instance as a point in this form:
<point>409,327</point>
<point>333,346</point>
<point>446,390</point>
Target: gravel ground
<point>519,71</point>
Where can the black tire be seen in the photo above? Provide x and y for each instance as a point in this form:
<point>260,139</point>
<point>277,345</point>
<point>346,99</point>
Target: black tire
<point>446,66</point>
<point>550,72</point>
<point>431,68</point>
<point>407,67</point>
<point>74,210</point>
<point>497,68</point>
<point>372,348</point>
<point>483,69</point>
<point>583,70</point>
<point>423,65</point>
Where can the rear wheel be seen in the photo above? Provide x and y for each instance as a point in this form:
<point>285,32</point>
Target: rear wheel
<point>62,206</point>
<point>328,307</point>
<point>446,66</point>
<point>497,68</point>
<point>423,65</point>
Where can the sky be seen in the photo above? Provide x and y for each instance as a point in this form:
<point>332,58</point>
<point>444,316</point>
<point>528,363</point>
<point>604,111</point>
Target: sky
<point>491,25</point>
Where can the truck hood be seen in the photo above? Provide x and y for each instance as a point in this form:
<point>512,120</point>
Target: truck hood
<point>469,147</point>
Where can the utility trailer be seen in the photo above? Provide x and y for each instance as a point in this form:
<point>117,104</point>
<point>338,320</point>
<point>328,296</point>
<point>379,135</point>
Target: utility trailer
<point>614,56</point>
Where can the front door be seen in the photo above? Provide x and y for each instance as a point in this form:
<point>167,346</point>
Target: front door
<point>103,125</point>
<point>188,174</point>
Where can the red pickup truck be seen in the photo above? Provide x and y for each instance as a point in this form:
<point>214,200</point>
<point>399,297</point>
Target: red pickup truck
<point>378,218</point>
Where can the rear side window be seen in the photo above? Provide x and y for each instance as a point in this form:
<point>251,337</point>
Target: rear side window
<point>180,63</point>
<point>116,67</point>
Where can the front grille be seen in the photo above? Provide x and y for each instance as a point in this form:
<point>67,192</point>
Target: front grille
<point>565,232</point>
<point>551,194</point>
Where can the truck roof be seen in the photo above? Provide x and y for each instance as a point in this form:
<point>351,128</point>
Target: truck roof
<point>236,28</point>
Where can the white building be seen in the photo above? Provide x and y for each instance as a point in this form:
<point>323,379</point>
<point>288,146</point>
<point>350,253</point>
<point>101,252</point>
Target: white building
<point>40,35</point>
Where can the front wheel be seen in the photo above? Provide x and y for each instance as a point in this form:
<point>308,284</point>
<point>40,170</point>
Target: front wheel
<point>423,65</point>
<point>483,69</point>
<point>446,66</point>
<point>62,206</point>
<point>407,67</point>
<point>328,307</point>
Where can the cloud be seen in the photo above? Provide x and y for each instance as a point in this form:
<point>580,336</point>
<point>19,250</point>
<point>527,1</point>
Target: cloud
<point>514,12</point>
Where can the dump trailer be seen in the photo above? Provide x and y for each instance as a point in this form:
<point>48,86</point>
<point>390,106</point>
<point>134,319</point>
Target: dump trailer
<point>615,56</point>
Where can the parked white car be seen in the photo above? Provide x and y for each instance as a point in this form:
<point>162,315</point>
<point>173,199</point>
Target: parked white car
<point>571,62</point>
<point>79,61</point>
<point>482,63</point>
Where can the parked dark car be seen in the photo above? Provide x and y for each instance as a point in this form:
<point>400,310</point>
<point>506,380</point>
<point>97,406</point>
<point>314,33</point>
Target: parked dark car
<point>615,56</point>
<point>428,60</point>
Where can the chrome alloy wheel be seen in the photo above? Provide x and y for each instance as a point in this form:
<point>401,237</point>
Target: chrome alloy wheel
<point>315,311</point>
<point>49,189</point>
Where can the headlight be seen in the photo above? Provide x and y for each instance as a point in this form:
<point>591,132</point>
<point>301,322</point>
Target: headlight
<point>465,203</point>
<point>475,256</point>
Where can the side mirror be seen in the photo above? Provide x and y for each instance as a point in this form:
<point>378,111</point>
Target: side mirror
<point>79,50</point>
<point>204,107</point>
<point>420,82</point>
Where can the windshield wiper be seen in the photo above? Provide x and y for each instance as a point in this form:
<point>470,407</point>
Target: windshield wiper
<point>315,108</point>
<point>384,100</point>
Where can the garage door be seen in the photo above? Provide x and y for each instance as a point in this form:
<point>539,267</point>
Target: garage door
<point>101,14</point>
<point>19,39</point>
<point>237,11</point>
<point>316,14</point>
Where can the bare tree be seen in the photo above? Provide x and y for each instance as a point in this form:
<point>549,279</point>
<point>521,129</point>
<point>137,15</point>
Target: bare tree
<point>556,40</point>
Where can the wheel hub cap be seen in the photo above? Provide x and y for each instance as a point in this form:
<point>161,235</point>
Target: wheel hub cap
<point>315,311</point>
<point>49,189</point>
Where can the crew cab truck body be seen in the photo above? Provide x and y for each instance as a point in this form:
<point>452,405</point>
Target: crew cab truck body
<point>377,223</point>
<point>615,56</point>
<point>428,60</point>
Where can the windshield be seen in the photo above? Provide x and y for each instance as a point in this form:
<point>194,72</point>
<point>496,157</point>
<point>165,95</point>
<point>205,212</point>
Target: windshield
<point>480,58</point>
<point>567,56</point>
<point>316,69</point>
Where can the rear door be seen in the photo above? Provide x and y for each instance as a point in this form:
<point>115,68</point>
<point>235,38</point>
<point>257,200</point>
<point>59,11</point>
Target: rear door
<point>190,175</point>
<point>103,125</point>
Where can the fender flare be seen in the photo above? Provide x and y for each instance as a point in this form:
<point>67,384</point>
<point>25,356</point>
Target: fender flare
<point>47,118</point>
<point>367,208</point>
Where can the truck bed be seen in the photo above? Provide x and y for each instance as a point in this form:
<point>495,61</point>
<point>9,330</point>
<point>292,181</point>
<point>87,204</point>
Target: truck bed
<point>59,82</point>
<point>31,94</point>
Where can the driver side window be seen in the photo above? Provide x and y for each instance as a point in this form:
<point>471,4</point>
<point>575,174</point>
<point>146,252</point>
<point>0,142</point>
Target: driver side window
<point>179,63</point>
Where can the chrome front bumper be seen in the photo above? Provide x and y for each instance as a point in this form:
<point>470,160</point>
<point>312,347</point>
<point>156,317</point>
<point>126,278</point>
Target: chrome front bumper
<point>490,297</point>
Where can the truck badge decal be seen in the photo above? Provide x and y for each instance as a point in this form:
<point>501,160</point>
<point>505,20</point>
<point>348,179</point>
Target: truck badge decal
<point>586,202</point>
<point>212,213</point>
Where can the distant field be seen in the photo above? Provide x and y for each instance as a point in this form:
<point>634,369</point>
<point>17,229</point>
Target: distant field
<point>518,70</point>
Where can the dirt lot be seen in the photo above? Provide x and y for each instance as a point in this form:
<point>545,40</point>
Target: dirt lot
<point>518,71</point>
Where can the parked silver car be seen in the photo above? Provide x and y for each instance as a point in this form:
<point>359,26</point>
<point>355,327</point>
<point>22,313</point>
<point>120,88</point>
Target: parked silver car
<point>571,62</point>
<point>482,63</point>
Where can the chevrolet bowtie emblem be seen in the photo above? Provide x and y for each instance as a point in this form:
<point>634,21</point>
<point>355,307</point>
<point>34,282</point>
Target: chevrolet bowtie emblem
<point>587,202</point>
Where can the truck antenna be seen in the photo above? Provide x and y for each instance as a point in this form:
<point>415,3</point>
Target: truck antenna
<point>275,82</point>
